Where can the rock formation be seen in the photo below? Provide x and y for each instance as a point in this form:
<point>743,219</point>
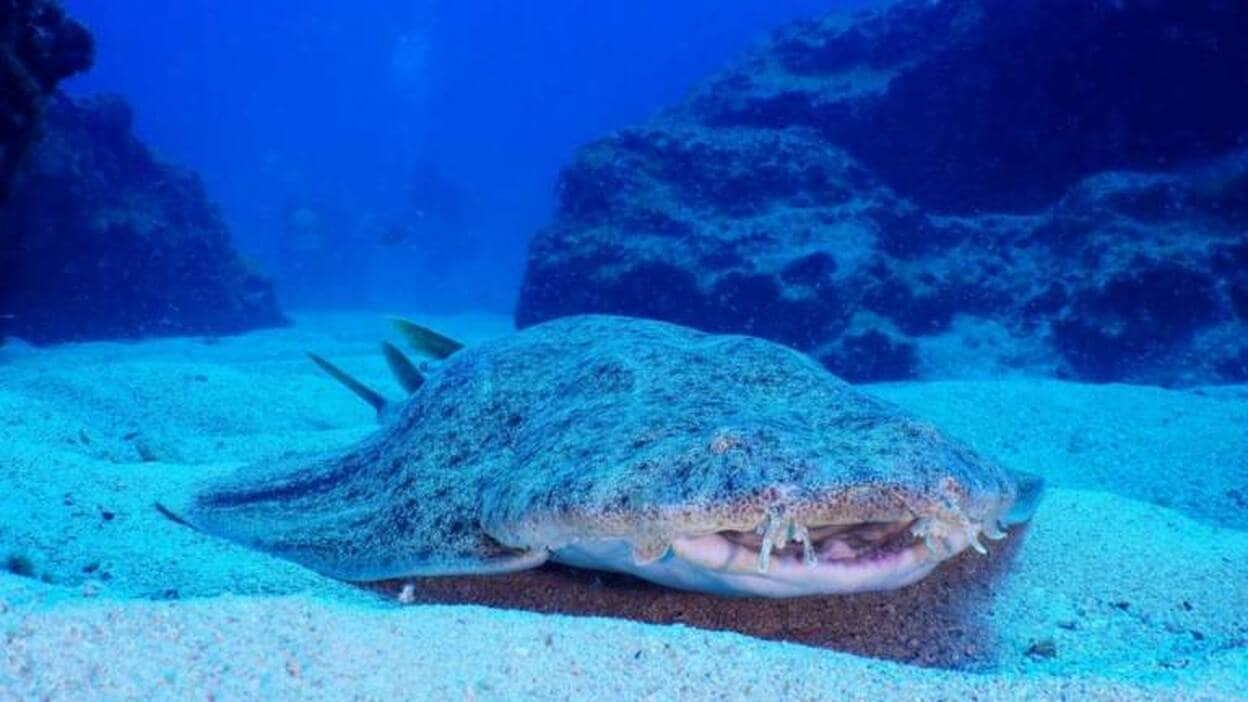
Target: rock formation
<point>108,242</point>
<point>97,238</point>
<point>39,47</point>
<point>933,189</point>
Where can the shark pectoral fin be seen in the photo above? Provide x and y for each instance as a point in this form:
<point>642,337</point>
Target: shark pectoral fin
<point>406,373</point>
<point>1030,488</point>
<point>426,340</point>
<point>372,397</point>
<point>493,561</point>
<point>336,514</point>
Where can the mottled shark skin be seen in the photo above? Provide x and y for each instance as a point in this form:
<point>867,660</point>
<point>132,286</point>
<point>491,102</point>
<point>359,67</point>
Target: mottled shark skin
<point>725,464</point>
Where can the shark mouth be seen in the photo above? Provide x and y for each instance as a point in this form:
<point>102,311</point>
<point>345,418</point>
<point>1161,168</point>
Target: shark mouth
<point>843,544</point>
<point>783,558</point>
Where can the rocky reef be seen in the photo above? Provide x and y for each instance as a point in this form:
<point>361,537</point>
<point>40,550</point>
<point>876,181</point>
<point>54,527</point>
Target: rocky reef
<point>98,239</point>
<point>111,243</point>
<point>39,47</point>
<point>934,189</point>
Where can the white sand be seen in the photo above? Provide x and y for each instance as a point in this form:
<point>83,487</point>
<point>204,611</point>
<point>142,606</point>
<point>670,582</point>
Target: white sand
<point>1136,599</point>
<point>1187,450</point>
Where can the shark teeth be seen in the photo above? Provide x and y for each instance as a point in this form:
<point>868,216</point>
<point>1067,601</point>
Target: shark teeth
<point>772,530</point>
<point>935,532</point>
<point>972,538</point>
<point>809,558</point>
<point>995,531</point>
<point>932,532</point>
<point>777,532</point>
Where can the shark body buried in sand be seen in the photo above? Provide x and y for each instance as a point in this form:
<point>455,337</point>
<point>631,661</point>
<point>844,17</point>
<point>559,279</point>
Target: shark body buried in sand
<point>722,464</point>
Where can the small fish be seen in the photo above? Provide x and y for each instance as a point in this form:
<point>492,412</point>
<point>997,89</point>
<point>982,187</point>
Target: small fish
<point>394,235</point>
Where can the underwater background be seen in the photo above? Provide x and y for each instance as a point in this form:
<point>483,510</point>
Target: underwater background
<point>388,139</point>
<point>1026,222</point>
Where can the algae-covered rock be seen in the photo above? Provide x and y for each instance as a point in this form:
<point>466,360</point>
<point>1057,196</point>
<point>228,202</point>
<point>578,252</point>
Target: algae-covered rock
<point>107,241</point>
<point>39,47</point>
<point>933,189</point>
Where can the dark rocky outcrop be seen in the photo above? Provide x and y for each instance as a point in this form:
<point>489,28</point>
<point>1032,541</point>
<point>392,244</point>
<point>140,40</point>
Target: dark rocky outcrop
<point>108,242</point>
<point>39,47</point>
<point>1002,104</point>
<point>939,189</point>
<point>97,238</point>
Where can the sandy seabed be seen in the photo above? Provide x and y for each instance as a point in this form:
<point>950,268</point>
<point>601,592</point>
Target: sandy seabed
<point>1130,583</point>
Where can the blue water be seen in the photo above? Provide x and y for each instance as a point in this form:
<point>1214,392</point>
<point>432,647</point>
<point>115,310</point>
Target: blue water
<point>364,114</point>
